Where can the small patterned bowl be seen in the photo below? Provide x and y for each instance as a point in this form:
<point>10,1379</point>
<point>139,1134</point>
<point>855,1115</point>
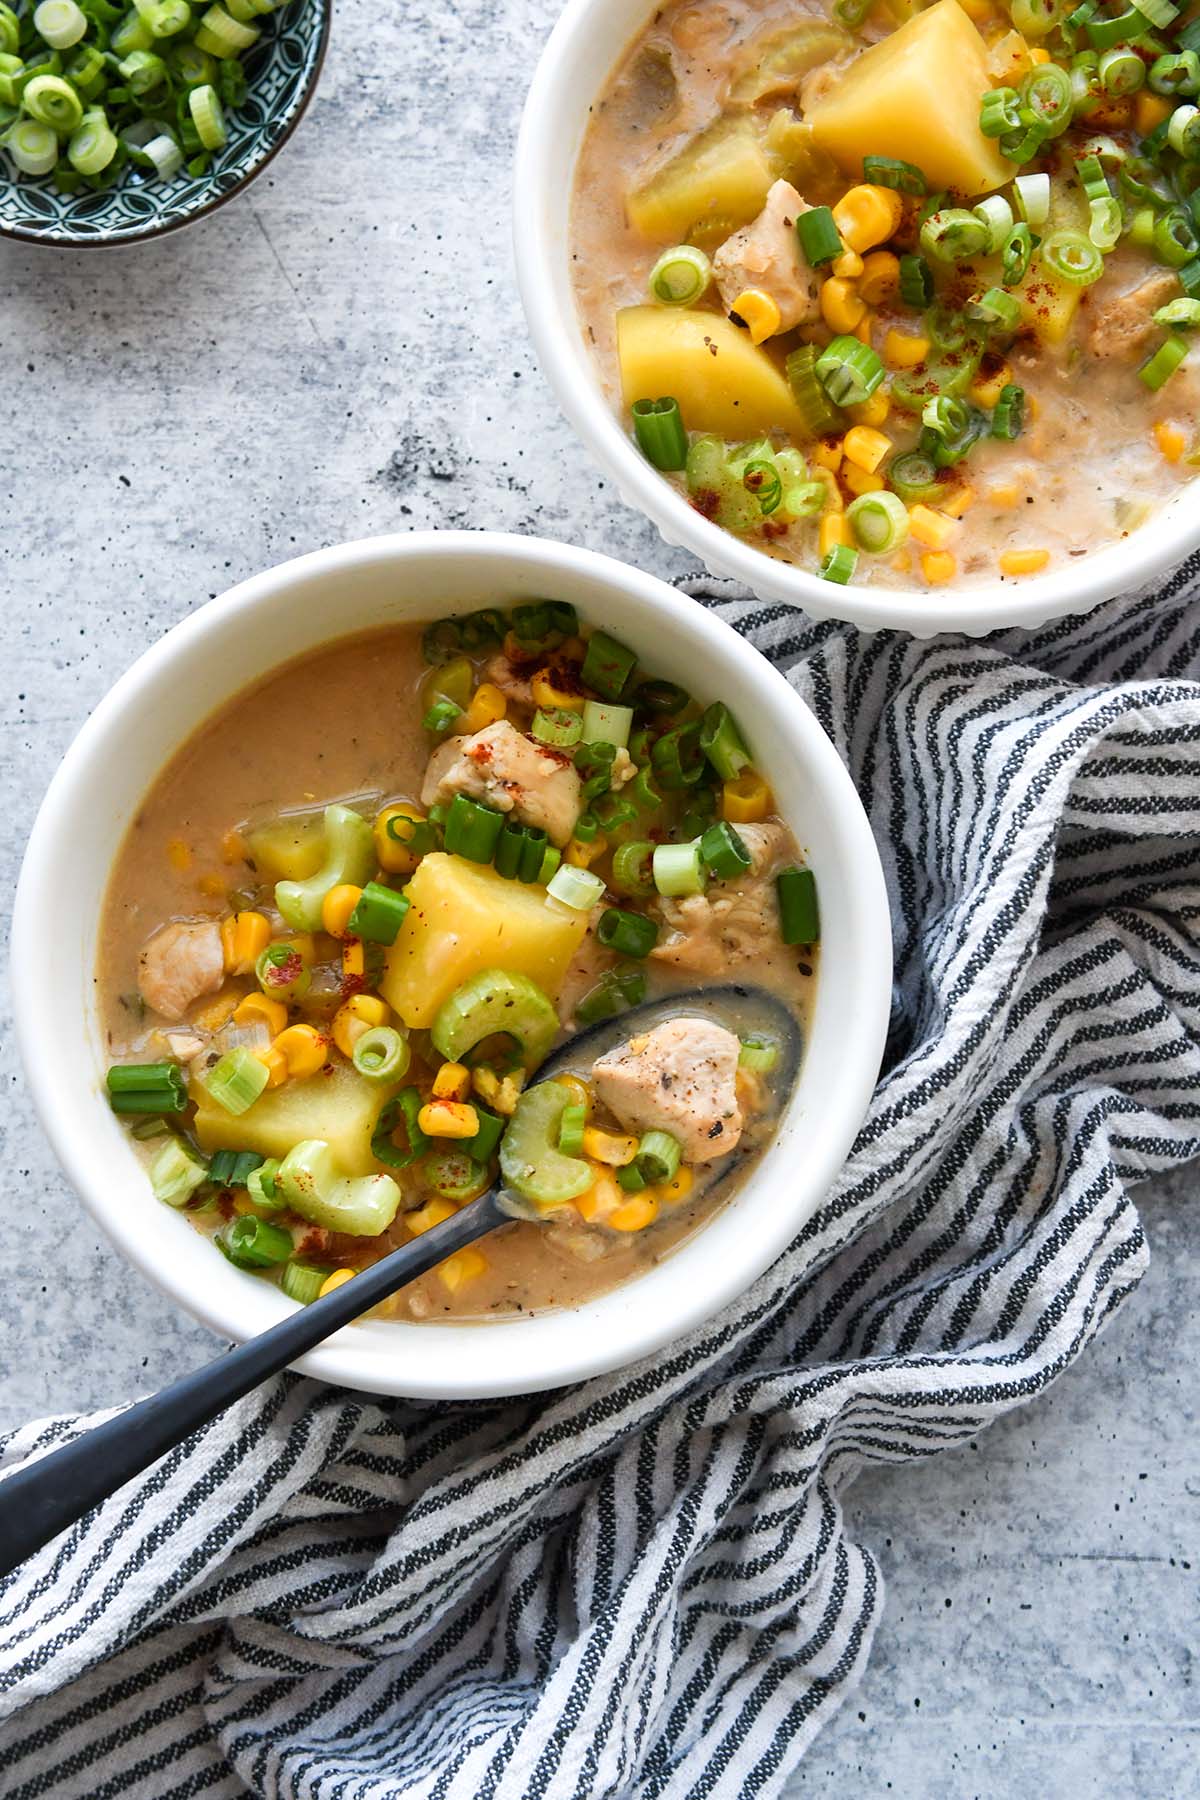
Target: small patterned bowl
<point>281,71</point>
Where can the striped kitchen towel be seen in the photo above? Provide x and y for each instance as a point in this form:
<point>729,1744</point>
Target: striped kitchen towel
<point>643,1586</point>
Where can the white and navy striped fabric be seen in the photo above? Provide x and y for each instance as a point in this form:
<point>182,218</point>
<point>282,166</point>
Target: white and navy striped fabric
<point>643,1586</point>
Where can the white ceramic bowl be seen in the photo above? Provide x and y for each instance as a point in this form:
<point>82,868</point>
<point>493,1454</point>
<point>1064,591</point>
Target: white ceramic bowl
<point>584,48</point>
<point>198,665</point>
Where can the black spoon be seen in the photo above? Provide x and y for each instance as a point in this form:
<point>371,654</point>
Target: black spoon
<point>45,1498</point>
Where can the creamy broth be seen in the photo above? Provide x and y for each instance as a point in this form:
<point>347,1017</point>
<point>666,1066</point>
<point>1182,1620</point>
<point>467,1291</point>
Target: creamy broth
<point>344,723</point>
<point>1088,468</point>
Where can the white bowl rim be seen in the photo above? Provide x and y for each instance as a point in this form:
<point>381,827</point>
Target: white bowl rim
<point>348,1359</point>
<point>548,144</point>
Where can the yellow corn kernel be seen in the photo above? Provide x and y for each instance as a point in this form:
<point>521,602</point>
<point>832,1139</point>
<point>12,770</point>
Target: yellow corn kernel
<point>213,885</point>
<point>434,1212</point>
<point>465,1265</point>
<point>242,1203</point>
<point>452,1082</point>
<point>546,694</point>
<point>255,1007</point>
<point>746,800</point>
<point>849,265</point>
<point>233,848</point>
<point>179,855</point>
<point>861,481</point>
<point>880,278</point>
<point>217,1013</point>
<point>448,1119</point>
<point>958,501</point>
<point>978,10</point>
<point>1023,562</point>
<point>633,1214</point>
<point>833,502</point>
<point>866,447</point>
<point>938,566</point>
<point>601,1199</point>
<point>337,907</point>
<point>902,562</point>
<point>903,350</point>
<point>841,308</point>
<point>678,1188</point>
<point>488,705</point>
<point>500,1091</point>
<point>1149,111</point>
<point>333,1282</point>
<point>758,313</point>
<point>827,454</point>
<point>985,389</point>
<point>1171,439</point>
<point>303,1049</point>
<point>244,937</point>
<point>862,330</point>
<point>276,1065</point>
<point>612,1148</point>
<point>833,530</point>
<point>580,1092</point>
<point>873,411</point>
<point>867,215</point>
<point>359,1014</point>
<point>354,958</point>
<point>582,856</point>
<point>1037,55</point>
<point>933,529</point>
<point>392,853</point>
<point>1004,496</point>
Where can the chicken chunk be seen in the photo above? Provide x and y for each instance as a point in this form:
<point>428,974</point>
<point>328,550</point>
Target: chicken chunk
<point>766,254</point>
<point>514,682</point>
<point>179,964</point>
<point>1123,324</point>
<point>508,771</point>
<point>708,933</point>
<point>679,1078</point>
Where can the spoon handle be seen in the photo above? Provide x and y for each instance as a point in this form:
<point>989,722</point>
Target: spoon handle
<point>44,1498</point>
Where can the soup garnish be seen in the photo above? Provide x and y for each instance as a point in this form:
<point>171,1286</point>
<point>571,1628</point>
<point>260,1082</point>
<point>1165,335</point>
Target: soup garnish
<point>909,295</point>
<point>329,1013</point>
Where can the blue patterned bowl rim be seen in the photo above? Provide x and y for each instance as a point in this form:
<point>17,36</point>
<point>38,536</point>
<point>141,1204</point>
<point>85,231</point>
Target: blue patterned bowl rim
<point>282,68</point>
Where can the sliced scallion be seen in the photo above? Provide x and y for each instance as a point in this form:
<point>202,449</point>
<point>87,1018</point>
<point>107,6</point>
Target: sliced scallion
<point>628,933</point>
<point>820,239</point>
<point>236,1082</point>
<point>679,870</point>
<point>176,1172</point>
<point>606,723</point>
<point>799,917</point>
<point>680,276</point>
<point>577,888</point>
<point>879,521</point>
<point>1158,368</point>
<point>658,428</point>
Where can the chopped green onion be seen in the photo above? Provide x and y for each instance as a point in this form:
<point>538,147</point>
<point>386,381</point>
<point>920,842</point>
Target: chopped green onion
<point>879,521</point>
<point>1031,197</point>
<point>236,1082</point>
<point>724,852</point>
<point>891,172</point>
<point>1046,95</point>
<point>632,871</point>
<point>1122,71</point>
<point>680,276</point>
<point>630,1178</point>
<point>1008,418</point>
<point>761,478</point>
<point>615,992</point>
<point>491,1129</point>
<point>995,307</point>
<point>820,239</point>
<point>1175,313</point>
<point>679,869</point>
<point>629,934</point>
<point>658,428</point>
<point>722,742</point>
<point>253,1243</point>
<point>52,101</point>
<point>10,30</point>
<point>1141,228</point>
<point>1162,364</point>
<point>260,1186</point>
<point>1034,18</point>
<point>472,829</point>
<point>849,371</point>
<point>176,1172</point>
<point>192,67</point>
<point>606,723</point>
<point>1072,258</point>
<point>1000,112</point>
<point>799,917</point>
<point>222,35</point>
<point>1175,240</point>
<point>551,857</point>
<point>571,1128</point>
<point>916,282</point>
<point>1016,255</point>
<point>913,476</point>
<point>381,1054</point>
<point>33,147</point>
<point>997,215</point>
<point>1104,223</point>
<point>658,1157</point>
<point>1175,74</point>
<point>838,564</point>
<point>594,763</point>
<point>400,1112</point>
<point>143,71</point>
<point>954,235</point>
<point>557,727</point>
<point>303,1281</point>
<point>233,1168</point>
<point>577,888</point>
<point>758,1054</point>
<point>441,716</point>
<point>60,22</point>
<point>817,412</point>
<point>146,1088</point>
<point>454,1174</point>
<point>1124,28</point>
<point>281,972</point>
<point>677,757</point>
<point>1183,131</point>
<point>207,117</point>
<point>658,696</point>
<point>608,666</point>
<point>378,915</point>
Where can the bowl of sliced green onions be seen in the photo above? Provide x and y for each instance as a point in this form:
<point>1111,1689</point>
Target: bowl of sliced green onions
<point>120,123</point>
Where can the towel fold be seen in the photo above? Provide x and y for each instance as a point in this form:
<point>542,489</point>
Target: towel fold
<point>643,1586</point>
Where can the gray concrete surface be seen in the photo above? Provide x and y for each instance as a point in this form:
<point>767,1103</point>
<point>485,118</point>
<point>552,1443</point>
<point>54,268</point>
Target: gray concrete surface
<point>341,352</point>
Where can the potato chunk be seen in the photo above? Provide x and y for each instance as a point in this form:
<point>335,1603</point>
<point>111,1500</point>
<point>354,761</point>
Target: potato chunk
<point>722,382</point>
<point>916,95</point>
<point>464,918</point>
<point>717,182</point>
<point>337,1106</point>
